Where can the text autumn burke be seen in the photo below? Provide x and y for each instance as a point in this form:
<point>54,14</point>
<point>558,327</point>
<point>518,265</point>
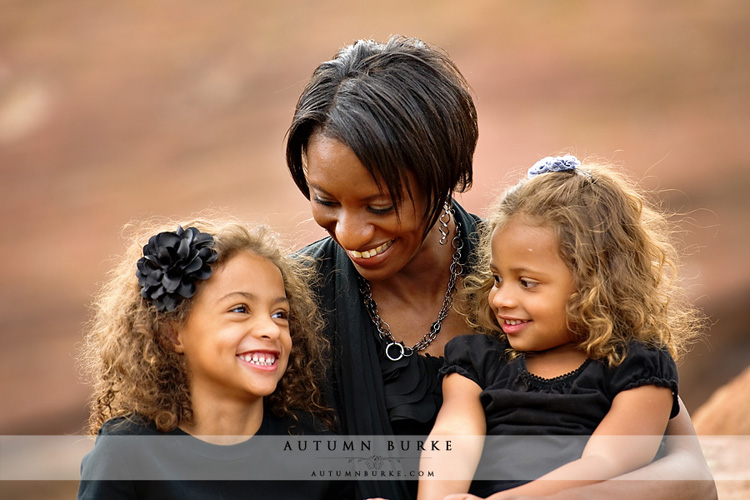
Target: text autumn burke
<point>366,445</point>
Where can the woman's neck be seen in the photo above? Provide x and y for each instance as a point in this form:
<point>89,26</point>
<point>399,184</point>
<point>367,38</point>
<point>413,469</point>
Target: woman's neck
<point>426,275</point>
<point>411,300</point>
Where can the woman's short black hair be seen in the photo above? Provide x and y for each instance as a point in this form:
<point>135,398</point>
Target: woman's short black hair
<point>401,106</point>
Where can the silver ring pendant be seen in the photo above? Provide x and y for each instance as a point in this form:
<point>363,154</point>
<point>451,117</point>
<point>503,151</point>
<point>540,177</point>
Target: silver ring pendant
<point>388,351</point>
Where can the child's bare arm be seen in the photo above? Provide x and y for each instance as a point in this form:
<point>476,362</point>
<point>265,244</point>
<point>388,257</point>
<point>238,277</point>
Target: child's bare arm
<point>461,418</point>
<point>682,474</point>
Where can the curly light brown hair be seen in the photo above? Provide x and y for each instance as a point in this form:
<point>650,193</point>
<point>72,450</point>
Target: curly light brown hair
<point>128,353</point>
<point>620,251</point>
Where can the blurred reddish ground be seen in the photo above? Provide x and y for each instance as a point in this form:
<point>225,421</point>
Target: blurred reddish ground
<point>113,111</point>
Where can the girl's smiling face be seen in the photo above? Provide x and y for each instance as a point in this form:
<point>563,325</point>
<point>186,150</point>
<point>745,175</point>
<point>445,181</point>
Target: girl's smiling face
<point>532,286</point>
<point>236,339</point>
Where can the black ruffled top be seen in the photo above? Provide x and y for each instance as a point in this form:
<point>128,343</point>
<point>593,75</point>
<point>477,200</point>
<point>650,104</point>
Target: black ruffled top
<point>413,391</point>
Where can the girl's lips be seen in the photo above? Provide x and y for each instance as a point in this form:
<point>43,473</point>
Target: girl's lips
<point>512,326</point>
<point>263,360</point>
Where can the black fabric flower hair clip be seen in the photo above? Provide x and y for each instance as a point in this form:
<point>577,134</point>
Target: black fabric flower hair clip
<point>172,262</point>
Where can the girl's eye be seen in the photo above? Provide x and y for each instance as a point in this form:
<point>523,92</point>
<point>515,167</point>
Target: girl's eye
<point>497,279</point>
<point>240,309</point>
<point>280,315</point>
<point>526,283</point>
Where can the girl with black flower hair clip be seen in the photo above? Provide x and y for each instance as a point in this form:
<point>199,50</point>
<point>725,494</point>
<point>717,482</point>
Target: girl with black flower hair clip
<point>209,335</point>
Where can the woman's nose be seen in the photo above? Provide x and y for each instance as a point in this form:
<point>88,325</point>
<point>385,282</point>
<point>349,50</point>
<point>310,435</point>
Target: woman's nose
<point>352,232</point>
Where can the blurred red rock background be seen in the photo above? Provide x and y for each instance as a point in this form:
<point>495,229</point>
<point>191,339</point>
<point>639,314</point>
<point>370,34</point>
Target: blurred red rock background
<point>121,110</point>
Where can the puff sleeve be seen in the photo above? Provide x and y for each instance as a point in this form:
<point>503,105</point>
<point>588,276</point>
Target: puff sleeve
<point>473,356</point>
<point>645,366</point>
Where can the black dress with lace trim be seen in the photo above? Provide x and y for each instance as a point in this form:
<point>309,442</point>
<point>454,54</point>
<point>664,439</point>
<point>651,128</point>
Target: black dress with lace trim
<point>518,403</point>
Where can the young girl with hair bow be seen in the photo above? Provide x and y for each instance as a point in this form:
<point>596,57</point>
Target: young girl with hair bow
<point>574,379</point>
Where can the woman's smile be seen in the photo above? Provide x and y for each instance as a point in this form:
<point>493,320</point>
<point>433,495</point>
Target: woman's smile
<point>367,254</point>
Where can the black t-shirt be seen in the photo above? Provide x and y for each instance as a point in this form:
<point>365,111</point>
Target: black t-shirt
<point>130,449</point>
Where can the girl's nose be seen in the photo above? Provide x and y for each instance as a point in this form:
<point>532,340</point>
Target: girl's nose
<point>503,297</point>
<point>267,328</point>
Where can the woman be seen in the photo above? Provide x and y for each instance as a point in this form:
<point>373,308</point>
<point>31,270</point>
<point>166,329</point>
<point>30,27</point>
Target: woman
<point>381,138</point>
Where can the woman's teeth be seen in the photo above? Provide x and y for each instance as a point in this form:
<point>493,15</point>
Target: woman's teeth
<point>260,359</point>
<point>372,253</point>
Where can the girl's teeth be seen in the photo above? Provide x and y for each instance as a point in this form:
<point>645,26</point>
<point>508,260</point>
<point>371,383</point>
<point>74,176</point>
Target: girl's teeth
<point>372,253</point>
<point>259,359</point>
<point>513,322</point>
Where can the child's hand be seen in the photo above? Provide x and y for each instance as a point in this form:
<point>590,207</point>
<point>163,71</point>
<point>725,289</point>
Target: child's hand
<point>461,496</point>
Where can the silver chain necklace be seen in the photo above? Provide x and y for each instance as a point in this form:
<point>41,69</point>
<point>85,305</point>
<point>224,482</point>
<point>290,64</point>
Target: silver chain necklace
<point>384,329</point>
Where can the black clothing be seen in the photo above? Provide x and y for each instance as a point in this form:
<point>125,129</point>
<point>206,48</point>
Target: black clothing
<point>128,450</point>
<point>371,394</point>
<point>518,403</point>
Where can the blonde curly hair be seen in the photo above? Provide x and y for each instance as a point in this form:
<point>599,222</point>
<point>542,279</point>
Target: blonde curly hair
<point>618,248</point>
<point>128,353</point>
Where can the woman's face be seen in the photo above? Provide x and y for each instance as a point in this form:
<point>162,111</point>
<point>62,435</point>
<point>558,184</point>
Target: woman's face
<point>347,202</point>
<point>236,338</point>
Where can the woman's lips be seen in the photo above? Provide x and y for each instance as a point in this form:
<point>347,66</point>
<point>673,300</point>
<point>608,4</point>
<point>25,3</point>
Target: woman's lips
<point>368,254</point>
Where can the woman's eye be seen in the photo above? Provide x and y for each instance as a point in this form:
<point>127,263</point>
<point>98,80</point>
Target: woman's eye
<point>323,202</point>
<point>380,210</point>
<point>240,309</point>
